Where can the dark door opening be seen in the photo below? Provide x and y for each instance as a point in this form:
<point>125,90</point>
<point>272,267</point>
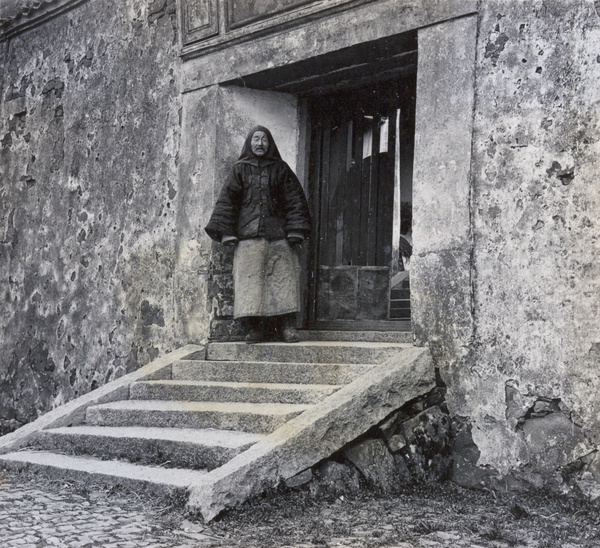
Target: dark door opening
<point>362,144</point>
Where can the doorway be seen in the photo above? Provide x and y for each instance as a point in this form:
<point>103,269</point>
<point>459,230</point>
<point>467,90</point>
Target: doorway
<point>361,160</point>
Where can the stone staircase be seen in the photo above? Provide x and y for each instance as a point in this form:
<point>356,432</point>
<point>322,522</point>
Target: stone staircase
<point>223,423</point>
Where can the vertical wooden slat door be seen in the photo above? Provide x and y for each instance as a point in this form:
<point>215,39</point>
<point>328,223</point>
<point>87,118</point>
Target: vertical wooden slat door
<point>354,157</point>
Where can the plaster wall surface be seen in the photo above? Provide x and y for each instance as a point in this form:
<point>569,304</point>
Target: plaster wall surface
<point>529,384</point>
<point>89,133</point>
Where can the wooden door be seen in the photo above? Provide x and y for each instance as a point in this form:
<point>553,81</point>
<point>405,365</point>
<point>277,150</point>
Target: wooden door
<point>361,174</point>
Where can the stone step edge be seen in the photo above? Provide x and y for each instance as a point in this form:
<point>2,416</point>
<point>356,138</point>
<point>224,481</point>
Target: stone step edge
<point>166,447</point>
<point>359,336</point>
<point>247,417</point>
<point>205,437</point>
<point>270,362</point>
<point>74,411</point>
<point>167,480</point>
<point>231,391</point>
<point>265,372</point>
<point>314,344</point>
<point>231,384</point>
<point>187,406</point>
<point>315,434</point>
<point>336,352</point>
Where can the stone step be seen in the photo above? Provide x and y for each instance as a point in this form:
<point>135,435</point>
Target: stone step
<point>268,372</point>
<point>317,433</point>
<point>164,481</point>
<point>307,351</point>
<point>177,447</point>
<point>230,391</point>
<point>402,313</point>
<point>405,337</point>
<point>400,294</point>
<point>245,417</point>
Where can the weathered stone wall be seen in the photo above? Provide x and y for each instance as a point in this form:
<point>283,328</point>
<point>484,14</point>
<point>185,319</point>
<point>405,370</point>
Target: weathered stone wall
<point>411,445</point>
<point>89,129</point>
<point>530,385</point>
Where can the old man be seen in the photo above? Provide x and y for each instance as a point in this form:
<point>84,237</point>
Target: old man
<point>263,212</point>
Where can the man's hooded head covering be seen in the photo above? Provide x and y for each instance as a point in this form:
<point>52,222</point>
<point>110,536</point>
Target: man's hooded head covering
<point>270,157</point>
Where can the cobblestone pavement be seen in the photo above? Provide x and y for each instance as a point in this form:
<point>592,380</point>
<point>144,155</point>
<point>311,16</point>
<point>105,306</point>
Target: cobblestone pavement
<point>40,513</point>
<point>55,515</point>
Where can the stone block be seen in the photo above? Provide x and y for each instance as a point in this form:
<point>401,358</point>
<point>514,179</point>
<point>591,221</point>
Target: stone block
<point>156,479</point>
<point>229,392</point>
<point>388,426</point>
<point>428,442</point>
<point>525,479</point>
<point>553,441</point>
<point>466,474</point>
<point>397,442</point>
<point>180,448</point>
<point>257,372</point>
<point>461,442</point>
<point>593,465</point>
<point>442,159</point>
<point>299,479</point>
<point>441,300</point>
<point>243,417</point>
<point>226,329</point>
<point>589,486</point>
<point>431,426</point>
<point>335,478</point>
<point>375,462</point>
<point>403,474</point>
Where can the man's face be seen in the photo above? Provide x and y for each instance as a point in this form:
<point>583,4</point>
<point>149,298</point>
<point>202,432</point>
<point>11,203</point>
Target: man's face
<point>259,143</point>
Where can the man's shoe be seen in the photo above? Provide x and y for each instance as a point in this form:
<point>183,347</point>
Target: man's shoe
<point>290,335</point>
<point>255,336</point>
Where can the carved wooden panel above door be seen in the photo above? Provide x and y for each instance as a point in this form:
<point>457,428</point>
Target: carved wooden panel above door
<point>243,12</point>
<point>199,20</point>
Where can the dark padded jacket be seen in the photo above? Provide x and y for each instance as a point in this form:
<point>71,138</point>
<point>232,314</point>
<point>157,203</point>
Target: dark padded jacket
<point>263,199</point>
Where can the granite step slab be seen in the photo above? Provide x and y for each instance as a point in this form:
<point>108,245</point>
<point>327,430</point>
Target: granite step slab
<point>243,417</point>
<point>156,479</point>
<point>341,352</point>
<point>405,337</point>
<point>268,372</point>
<point>174,447</point>
<point>230,391</point>
<point>317,433</point>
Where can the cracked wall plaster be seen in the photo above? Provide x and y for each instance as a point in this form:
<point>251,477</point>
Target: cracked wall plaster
<point>535,207</point>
